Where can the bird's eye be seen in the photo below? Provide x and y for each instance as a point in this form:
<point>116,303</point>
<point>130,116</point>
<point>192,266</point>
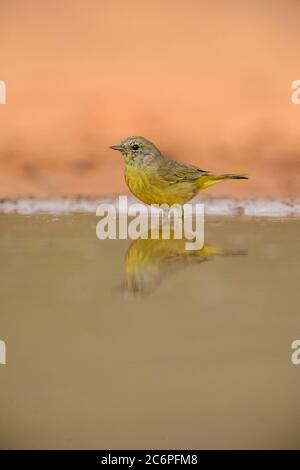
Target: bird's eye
<point>135,147</point>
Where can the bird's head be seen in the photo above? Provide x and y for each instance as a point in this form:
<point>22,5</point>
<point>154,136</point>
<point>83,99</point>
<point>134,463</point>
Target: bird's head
<point>137,148</point>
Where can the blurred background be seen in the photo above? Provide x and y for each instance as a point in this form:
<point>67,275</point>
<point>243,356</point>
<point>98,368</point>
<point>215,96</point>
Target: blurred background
<point>208,82</point>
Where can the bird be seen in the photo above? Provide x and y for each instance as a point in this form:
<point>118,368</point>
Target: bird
<point>156,179</point>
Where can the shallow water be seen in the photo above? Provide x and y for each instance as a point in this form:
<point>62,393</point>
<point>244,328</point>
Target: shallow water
<point>155,348</point>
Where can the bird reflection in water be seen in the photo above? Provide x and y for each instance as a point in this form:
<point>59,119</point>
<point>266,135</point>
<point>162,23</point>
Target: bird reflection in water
<point>149,261</point>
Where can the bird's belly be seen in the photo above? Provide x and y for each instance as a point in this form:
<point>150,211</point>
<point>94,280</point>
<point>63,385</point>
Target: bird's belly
<point>152,189</point>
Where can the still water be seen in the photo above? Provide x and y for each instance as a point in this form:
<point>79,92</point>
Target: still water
<point>119,344</point>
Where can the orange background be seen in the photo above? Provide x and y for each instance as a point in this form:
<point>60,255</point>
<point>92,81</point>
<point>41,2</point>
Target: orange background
<point>208,82</point>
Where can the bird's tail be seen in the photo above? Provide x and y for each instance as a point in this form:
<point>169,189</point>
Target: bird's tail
<point>232,176</point>
<point>208,180</point>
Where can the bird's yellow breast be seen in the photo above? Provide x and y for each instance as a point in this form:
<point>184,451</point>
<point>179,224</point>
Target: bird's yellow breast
<point>148,186</point>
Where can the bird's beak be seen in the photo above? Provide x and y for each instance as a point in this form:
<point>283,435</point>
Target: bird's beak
<point>117,147</point>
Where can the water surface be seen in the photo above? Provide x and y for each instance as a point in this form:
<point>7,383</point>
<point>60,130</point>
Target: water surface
<point>119,344</point>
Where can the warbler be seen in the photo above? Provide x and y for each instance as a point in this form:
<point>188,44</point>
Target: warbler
<point>155,179</point>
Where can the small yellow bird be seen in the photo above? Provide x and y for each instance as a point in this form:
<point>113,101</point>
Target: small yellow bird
<point>156,179</point>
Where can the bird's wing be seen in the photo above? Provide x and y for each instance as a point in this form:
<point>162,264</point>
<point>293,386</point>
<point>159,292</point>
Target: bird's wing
<point>175,172</point>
